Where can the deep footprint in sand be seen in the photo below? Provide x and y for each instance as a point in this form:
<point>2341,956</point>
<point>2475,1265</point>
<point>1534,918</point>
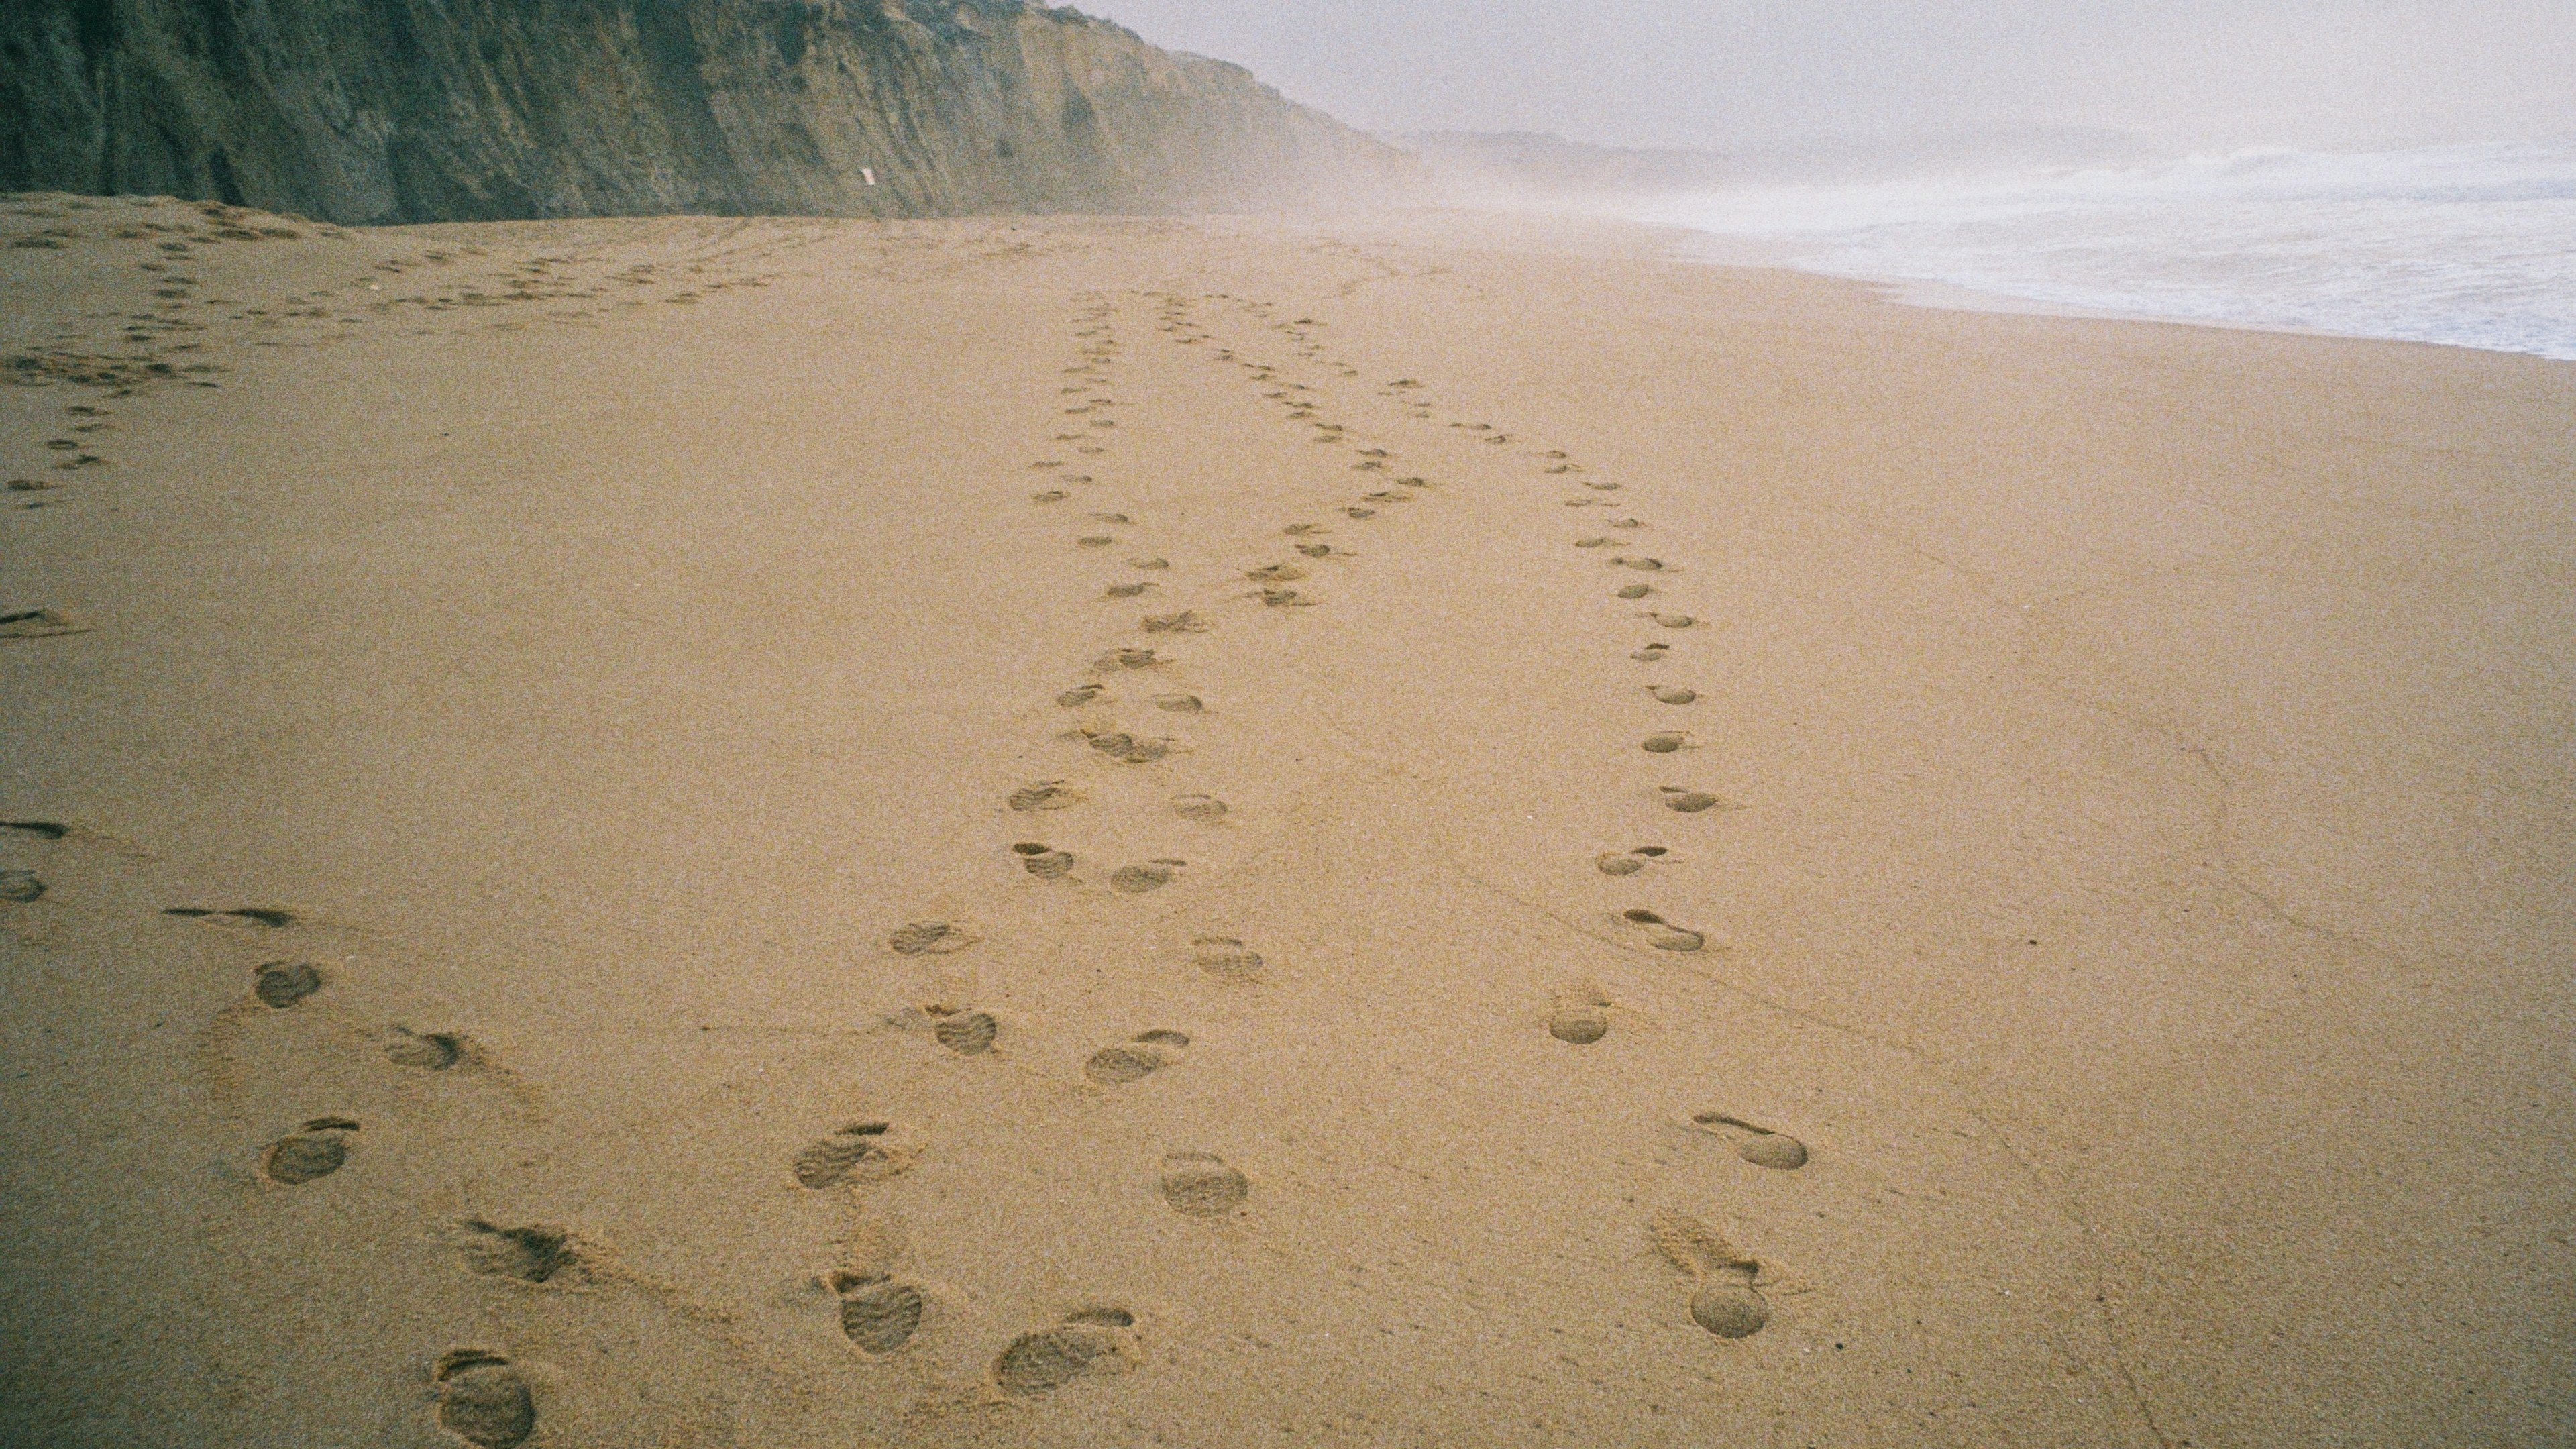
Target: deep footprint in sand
<point>20,886</point>
<point>484,1400</point>
<point>1723,1298</point>
<point>1671,694</point>
<point>1651,653</point>
<point>1627,862</point>
<point>1044,795</point>
<point>1667,742</point>
<point>1093,1341</point>
<point>1127,659</point>
<point>1661,934</point>
<point>1226,957</point>
<point>433,1051</point>
<point>1150,1052</point>
<point>318,1150</point>
<point>1692,802</point>
<point>932,938</point>
<point>1581,1015</point>
<point>1276,574</point>
<point>878,1313</point>
<point>859,1152</point>
<point>967,1033</point>
<point>536,1253</point>
<point>1043,861</point>
<point>1761,1146</point>
<point>1179,703</point>
<point>1200,1185</point>
<point>1119,745</point>
<point>1138,879</point>
<point>1126,591</point>
<point>281,984</point>
<point>269,916</point>
<point>1205,809</point>
<point>1078,696</point>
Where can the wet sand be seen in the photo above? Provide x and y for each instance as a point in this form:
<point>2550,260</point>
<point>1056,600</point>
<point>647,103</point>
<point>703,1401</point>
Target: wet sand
<point>1416,830</point>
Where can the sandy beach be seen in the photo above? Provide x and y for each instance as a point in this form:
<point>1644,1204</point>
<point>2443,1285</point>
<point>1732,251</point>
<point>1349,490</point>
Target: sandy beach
<point>1404,830</point>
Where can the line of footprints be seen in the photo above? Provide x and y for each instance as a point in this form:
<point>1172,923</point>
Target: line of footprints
<point>881,1313</point>
<point>486,1401</point>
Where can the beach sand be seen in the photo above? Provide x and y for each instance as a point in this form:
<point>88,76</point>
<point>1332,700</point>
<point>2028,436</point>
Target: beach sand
<point>1070,832</point>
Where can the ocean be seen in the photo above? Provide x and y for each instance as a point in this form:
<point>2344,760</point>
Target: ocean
<point>2469,246</point>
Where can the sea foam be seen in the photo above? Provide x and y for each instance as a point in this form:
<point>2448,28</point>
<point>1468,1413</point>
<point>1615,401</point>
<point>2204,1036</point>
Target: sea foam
<point>2471,246</point>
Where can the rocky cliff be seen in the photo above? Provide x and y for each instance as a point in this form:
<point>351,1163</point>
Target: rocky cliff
<point>454,110</point>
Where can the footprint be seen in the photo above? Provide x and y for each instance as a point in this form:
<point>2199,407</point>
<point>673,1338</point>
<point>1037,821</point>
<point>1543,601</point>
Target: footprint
<point>1580,1015</point>
<point>1760,1146</point>
<point>1318,550</point>
<point>1200,1185</point>
<point>1276,574</point>
<point>1149,563</point>
<point>484,1400</point>
<point>1042,861</point>
<point>1115,1066</point>
<point>1666,742</point>
<point>1094,540</point>
<point>432,1051</point>
<point>935,938</point>
<point>1662,934</point>
<point>1671,621</point>
<point>1078,696</point>
<point>878,1314</point>
<point>1672,694</point>
<point>1119,745</point>
<point>860,1152</point>
<point>1052,495</point>
<point>1126,591</point>
<point>531,1254</point>
<point>1285,599</point>
<point>1184,622</point>
<point>1602,486</point>
<point>1642,565</point>
<point>1110,518</point>
<point>1723,1300</point>
<point>1202,808</point>
<point>967,1033</point>
<point>20,886</point>
<point>1093,1341</point>
<point>1651,653</point>
<point>1138,879</point>
<point>1301,530</point>
<point>1127,659</point>
<point>1224,956</point>
<point>1635,591</point>
<point>1044,795</point>
<point>1627,862</point>
<point>1590,542</point>
<point>1179,703</point>
<point>281,984</point>
<point>319,1150</point>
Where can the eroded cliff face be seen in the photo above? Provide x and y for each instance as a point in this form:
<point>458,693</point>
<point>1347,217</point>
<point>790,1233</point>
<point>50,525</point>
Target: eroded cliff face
<point>455,110</point>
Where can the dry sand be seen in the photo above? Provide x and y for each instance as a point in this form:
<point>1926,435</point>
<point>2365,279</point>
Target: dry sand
<point>2130,995</point>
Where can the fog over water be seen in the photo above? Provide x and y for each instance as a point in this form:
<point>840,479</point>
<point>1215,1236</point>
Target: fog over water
<point>1725,74</point>
<point>2378,168</point>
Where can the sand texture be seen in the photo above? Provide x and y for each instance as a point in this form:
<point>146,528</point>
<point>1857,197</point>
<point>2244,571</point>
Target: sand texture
<point>1232,833</point>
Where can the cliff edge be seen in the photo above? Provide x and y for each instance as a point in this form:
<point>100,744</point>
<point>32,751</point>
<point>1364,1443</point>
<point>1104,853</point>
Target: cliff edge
<point>363,111</point>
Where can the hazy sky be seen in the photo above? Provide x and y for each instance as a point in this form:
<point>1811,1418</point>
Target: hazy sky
<point>1721,72</point>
